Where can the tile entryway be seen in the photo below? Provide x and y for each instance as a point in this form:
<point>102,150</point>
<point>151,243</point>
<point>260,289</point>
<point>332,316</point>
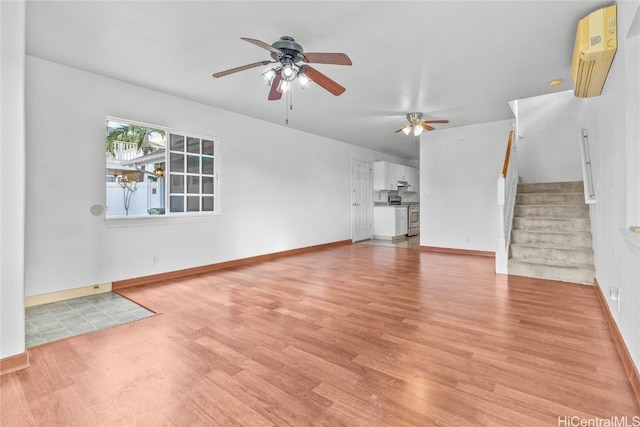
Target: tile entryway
<point>63,319</point>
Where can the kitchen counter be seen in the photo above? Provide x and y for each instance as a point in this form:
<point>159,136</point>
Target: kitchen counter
<point>390,221</point>
<point>381,204</point>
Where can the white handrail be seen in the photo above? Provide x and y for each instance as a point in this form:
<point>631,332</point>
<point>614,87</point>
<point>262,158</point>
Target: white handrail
<point>507,187</point>
<point>587,171</point>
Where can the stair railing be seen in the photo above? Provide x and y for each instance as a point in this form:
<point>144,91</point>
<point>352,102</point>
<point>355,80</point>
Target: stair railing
<point>507,188</point>
<point>587,171</point>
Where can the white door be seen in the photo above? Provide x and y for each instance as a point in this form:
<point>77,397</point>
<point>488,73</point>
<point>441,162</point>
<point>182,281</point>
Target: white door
<point>361,200</point>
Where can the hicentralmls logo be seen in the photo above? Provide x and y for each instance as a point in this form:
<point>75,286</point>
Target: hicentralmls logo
<point>621,421</point>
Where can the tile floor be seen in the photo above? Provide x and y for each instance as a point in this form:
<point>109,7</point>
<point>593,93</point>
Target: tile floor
<point>57,320</point>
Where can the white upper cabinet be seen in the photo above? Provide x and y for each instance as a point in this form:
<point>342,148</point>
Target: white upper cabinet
<point>414,180</point>
<point>386,176</point>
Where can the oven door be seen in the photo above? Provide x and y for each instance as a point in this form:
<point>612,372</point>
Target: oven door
<point>413,221</point>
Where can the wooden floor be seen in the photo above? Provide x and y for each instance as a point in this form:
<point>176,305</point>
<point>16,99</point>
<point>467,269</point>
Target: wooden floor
<point>357,335</point>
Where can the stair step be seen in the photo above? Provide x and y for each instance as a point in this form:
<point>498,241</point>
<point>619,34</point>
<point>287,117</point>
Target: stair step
<point>552,239</point>
<point>552,211</point>
<point>552,224</point>
<point>551,233</point>
<point>551,187</point>
<point>584,274</point>
<point>551,254</point>
<point>576,198</point>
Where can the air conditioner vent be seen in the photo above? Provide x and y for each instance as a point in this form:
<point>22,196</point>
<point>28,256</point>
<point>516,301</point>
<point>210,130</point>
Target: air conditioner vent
<point>593,52</point>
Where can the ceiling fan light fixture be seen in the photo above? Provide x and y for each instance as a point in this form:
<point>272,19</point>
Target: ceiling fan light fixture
<point>284,86</point>
<point>303,79</point>
<point>417,130</point>
<point>289,72</point>
<point>268,76</point>
<point>406,130</point>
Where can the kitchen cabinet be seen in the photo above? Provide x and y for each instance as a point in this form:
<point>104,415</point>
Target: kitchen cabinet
<point>384,176</point>
<point>387,174</point>
<point>414,180</point>
<point>389,222</point>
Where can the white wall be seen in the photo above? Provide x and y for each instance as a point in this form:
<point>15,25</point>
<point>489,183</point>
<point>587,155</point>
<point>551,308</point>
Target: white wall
<point>280,188</point>
<point>12,178</point>
<point>459,168</point>
<point>608,119</point>
<point>549,143</point>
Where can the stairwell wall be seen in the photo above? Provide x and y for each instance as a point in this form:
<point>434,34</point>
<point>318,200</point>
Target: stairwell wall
<point>549,142</point>
<point>458,198</point>
<point>611,120</point>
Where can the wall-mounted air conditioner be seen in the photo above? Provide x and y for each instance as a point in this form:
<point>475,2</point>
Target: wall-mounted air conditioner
<point>593,51</point>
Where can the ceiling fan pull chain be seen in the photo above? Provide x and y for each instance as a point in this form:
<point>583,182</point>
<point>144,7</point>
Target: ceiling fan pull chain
<point>286,106</point>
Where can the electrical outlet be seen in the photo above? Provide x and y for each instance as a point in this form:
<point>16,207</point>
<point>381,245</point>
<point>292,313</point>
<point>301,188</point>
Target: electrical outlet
<point>154,260</point>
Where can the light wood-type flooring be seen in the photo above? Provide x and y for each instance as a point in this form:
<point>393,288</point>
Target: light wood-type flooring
<point>355,335</point>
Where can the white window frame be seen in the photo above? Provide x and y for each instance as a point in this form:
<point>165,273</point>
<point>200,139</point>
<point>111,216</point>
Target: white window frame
<point>201,194</point>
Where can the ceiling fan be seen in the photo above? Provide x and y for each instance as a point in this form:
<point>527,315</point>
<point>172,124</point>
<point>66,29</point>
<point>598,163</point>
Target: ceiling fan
<point>417,125</point>
<point>287,54</point>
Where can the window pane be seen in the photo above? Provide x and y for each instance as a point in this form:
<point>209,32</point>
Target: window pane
<point>177,143</point>
<point>193,145</point>
<point>207,185</point>
<point>207,204</point>
<point>193,203</point>
<point>177,184</point>
<point>193,184</point>
<point>193,164</point>
<point>207,147</point>
<point>120,147</point>
<point>177,162</point>
<point>176,203</point>
<point>207,165</point>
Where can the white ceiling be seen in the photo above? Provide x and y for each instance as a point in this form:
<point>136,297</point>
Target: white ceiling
<point>455,60</point>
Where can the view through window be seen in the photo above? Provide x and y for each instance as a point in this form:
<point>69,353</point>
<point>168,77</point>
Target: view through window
<point>139,165</point>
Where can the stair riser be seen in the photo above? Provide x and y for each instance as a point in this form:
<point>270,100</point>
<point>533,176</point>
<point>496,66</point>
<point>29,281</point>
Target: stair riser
<point>551,235</point>
<point>584,275</point>
<point>552,224</point>
<point>550,199</point>
<point>556,240</point>
<point>552,187</point>
<point>567,256</point>
<point>552,211</point>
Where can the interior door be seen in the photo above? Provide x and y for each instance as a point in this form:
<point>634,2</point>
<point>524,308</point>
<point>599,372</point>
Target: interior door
<point>361,205</point>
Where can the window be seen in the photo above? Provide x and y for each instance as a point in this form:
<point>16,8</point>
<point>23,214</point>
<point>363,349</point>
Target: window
<point>146,175</point>
<point>191,173</point>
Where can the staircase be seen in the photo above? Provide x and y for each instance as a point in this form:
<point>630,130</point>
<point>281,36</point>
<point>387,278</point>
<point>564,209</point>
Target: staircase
<point>551,234</point>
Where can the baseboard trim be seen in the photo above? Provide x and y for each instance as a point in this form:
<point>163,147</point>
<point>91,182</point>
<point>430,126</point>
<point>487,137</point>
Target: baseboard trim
<point>67,294</point>
<point>14,363</point>
<point>623,351</point>
<point>458,251</point>
<point>145,280</point>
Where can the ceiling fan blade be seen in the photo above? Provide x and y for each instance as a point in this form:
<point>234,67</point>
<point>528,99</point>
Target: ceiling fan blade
<point>244,67</point>
<point>322,80</point>
<point>274,95</point>
<point>436,121</point>
<point>402,128</point>
<point>262,44</point>
<point>327,58</point>
<point>426,126</point>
